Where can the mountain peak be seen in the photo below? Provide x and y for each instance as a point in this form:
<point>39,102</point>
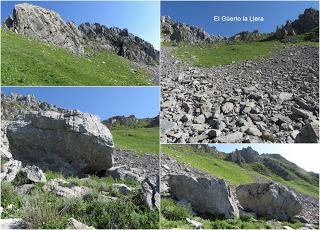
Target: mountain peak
<point>47,25</point>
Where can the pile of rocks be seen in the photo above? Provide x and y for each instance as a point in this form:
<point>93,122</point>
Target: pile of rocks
<point>275,99</point>
<point>46,25</point>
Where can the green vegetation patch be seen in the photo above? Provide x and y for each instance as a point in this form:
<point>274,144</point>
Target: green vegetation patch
<point>210,164</point>
<point>139,140</point>
<point>45,210</point>
<point>31,62</point>
<point>225,53</point>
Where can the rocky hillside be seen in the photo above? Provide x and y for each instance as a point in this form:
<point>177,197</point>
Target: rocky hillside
<point>46,25</point>
<point>203,186</point>
<point>51,153</point>
<point>306,22</point>
<point>273,99</point>
<point>173,31</point>
<point>268,164</point>
<point>131,122</point>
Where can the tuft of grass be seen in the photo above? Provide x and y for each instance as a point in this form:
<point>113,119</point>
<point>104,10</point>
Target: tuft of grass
<point>209,164</point>
<point>43,210</point>
<point>172,211</point>
<point>139,140</point>
<point>9,197</point>
<point>225,53</point>
<point>30,62</point>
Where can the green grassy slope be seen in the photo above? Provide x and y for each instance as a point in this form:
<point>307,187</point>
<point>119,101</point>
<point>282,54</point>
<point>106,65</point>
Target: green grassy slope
<point>231,171</point>
<point>30,62</point>
<point>210,164</point>
<point>139,140</point>
<point>225,53</point>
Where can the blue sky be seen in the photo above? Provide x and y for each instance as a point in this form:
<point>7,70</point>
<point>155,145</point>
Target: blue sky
<point>304,155</point>
<point>103,101</point>
<point>201,14</point>
<point>141,18</point>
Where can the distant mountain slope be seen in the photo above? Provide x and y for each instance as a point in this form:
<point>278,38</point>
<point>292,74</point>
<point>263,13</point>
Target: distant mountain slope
<point>254,169</point>
<point>131,122</point>
<point>138,135</point>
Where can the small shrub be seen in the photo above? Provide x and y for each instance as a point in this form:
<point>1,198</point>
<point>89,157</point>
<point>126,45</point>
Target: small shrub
<point>9,197</point>
<point>20,179</point>
<point>172,211</point>
<point>42,210</point>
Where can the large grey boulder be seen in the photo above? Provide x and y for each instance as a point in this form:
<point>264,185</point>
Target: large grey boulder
<point>309,133</point>
<point>269,200</point>
<point>207,196</point>
<point>71,142</point>
<point>40,23</point>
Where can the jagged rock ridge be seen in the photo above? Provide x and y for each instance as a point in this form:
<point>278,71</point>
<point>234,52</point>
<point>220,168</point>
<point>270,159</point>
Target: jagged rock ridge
<point>306,22</point>
<point>46,25</point>
<point>271,163</point>
<point>99,37</point>
<point>173,31</point>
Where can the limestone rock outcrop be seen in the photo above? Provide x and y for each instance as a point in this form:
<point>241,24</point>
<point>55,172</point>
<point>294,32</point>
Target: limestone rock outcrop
<point>120,41</point>
<point>47,25</point>
<point>66,141</point>
<point>245,155</point>
<point>269,200</point>
<point>9,170</point>
<point>306,22</point>
<point>173,31</point>
<point>207,196</point>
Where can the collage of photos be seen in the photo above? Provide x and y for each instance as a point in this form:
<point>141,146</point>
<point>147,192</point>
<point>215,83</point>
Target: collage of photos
<point>150,114</point>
